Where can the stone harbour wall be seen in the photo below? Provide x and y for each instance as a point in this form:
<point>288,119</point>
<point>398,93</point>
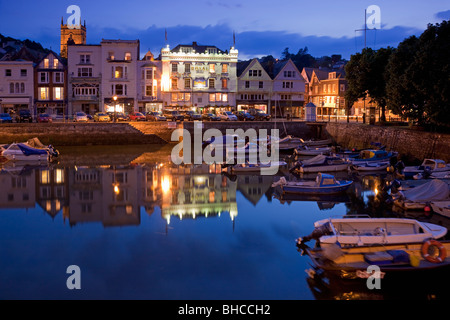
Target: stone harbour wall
<point>410,144</point>
<point>83,134</point>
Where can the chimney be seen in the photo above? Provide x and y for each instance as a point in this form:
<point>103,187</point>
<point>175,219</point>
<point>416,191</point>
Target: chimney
<point>194,43</point>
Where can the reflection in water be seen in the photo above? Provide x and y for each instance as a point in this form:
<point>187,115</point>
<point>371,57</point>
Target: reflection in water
<point>113,192</point>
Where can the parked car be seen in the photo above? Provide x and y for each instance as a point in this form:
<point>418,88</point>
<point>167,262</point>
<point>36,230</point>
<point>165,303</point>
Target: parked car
<point>259,114</point>
<point>24,115</point>
<point>101,117</point>
<point>228,116</point>
<point>44,117</point>
<point>120,116</point>
<point>210,117</point>
<point>5,117</point>
<point>244,116</point>
<point>80,117</point>
<point>192,115</point>
<point>155,116</point>
<point>136,116</point>
<point>173,115</point>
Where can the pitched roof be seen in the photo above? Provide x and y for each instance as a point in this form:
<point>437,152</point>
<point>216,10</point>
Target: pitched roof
<point>198,48</point>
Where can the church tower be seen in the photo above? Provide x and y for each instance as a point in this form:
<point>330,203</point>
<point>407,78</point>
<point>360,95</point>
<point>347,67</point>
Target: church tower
<point>72,35</point>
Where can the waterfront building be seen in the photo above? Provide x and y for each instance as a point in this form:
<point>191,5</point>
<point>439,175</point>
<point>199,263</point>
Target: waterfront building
<point>288,93</point>
<point>199,77</point>
<point>326,89</point>
<point>50,90</point>
<point>119,62</point>
<point>149,86</point>
<point>84,72</point>
<point>255,86</point>
<point>16,85</point>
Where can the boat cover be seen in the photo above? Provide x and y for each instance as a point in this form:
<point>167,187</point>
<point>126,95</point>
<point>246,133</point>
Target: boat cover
<point>431,191</point>
<point>28,151</point>
<point>319,159</point>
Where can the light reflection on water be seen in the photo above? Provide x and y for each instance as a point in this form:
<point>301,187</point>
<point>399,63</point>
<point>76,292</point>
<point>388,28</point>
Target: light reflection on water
<point>140,228</point>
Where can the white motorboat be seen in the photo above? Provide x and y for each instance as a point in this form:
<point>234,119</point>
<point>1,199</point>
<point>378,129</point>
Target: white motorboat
<point>25,152</point>
<point>323,185</point>
<point>370,166</point>
<point>321,163</point>
<point>311,151</point>
<point>251,168</point>
<point>441,207</point>
<point>357,231</point>
<point>429,166</point>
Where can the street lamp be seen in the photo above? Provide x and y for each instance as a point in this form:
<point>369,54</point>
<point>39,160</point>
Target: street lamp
<point>115,104</point>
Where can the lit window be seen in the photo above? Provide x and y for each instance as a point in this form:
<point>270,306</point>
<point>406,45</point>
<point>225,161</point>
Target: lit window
<point>58,93</point>
<point>46,63</point>
<point>224,68</point>
<point>212,68</point>
<point>224,83</point>
<point>128,56</point>
<point>43,93</point>
<point>59,176</point>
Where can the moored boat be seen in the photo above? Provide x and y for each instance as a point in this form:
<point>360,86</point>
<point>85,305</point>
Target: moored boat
<point>311,151</point>
<point>324,184</point>
<point>321,163</point>
<point>427,168</point>
<point>358,231</point>
<point>24,152</point>
<point>441,207</point>
<point>370,166</point>
<point>255,168</point>
<point>379,261</point>
<point>373,155</point>
<point>416,198</point>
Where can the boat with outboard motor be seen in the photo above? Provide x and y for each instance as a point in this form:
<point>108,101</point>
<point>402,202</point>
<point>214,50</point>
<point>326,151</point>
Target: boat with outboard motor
<point>32,150</point>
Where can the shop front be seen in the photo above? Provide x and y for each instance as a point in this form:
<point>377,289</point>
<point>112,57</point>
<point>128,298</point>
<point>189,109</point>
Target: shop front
<point>124,105</point>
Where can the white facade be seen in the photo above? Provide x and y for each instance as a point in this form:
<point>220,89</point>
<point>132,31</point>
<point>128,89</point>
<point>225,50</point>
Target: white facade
<point>16,86</point>
<point>288,94</point>
<point>254,88</point>
<point>119,60</point>
<point>149,84</point>
<point>197,77</point>
<point>84,70</point>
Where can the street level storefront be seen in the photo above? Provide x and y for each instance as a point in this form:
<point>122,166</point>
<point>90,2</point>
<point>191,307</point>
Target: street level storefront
<point>125,105</point>
<point>14,104</point>
<point>287,109</point>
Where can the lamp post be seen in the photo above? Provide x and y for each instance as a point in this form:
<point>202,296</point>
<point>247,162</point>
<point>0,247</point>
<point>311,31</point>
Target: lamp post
<point>115,104</point>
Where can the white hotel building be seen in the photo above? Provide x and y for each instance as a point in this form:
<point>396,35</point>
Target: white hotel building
<point>199,77</point>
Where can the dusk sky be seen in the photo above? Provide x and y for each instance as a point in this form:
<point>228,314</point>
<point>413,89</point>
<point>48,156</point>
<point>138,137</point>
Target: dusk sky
<point>262,27</point>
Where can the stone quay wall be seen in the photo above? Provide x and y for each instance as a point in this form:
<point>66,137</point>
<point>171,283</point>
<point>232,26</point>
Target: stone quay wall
<point>410,144</point>
<point>82,134</point>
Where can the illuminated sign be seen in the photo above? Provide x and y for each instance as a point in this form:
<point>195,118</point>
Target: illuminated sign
<point>200,83</point>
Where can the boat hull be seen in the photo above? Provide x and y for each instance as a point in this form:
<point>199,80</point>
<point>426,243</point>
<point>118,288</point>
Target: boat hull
<point>324,168</point>
<point>312,190</point>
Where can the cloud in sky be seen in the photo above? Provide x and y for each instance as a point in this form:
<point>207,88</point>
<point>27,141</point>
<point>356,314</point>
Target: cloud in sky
<point>444,15</point>
<point>262,27</point>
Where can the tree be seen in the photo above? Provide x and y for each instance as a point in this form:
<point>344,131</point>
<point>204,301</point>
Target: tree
<point>285,55</point>
<point>418,81</point>
<point>365,75</point>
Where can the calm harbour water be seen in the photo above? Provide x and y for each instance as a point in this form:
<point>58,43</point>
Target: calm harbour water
<point>140,228</point>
